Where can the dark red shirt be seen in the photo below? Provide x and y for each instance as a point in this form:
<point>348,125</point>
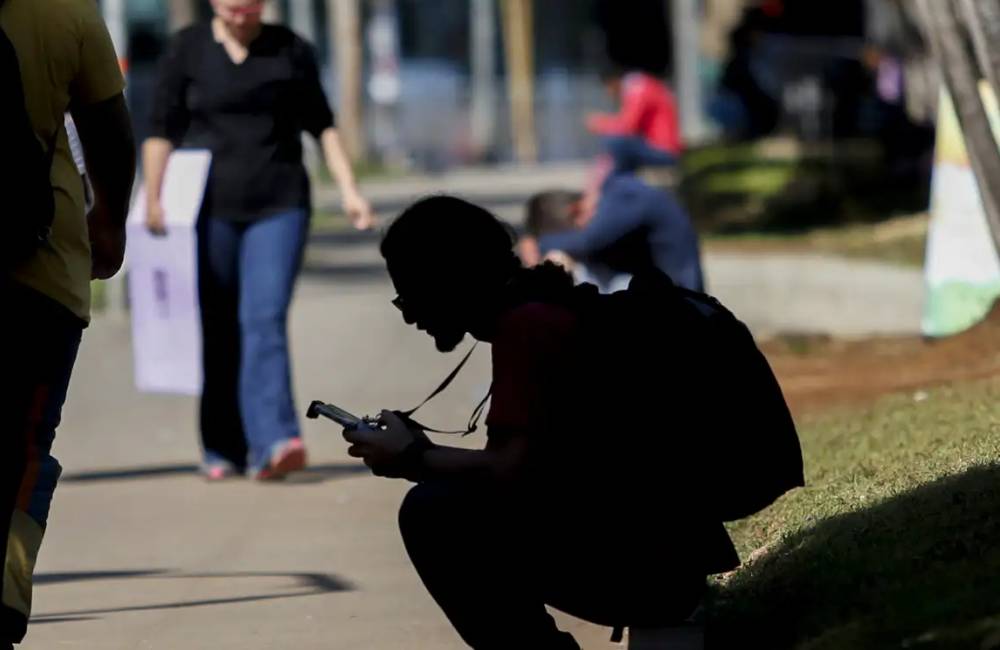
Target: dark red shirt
<point>579,476</point>
<point>529,350</point>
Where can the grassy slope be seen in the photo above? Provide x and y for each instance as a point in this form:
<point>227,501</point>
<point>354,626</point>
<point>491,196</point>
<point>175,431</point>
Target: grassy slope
<point>894,543</point>
<point>901,240</point>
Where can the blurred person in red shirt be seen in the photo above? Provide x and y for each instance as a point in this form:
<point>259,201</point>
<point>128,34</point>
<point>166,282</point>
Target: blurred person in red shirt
<point>646,130</point>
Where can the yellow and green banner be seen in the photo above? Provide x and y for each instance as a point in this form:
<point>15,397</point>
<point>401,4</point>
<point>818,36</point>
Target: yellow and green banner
<point>962,269</point>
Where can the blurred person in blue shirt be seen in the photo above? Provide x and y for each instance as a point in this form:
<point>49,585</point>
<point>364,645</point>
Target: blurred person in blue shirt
<point>634,226</point>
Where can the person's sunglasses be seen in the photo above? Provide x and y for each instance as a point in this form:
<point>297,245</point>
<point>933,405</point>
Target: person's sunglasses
<point>432,302</point>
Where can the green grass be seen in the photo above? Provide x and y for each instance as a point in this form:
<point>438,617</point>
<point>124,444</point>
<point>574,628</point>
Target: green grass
<point>895,541</point>
<point>902,240</point>
<point>752,181</point>
<point>780,185</point>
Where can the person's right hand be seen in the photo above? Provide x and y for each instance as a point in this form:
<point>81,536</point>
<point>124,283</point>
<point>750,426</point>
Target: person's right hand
<point>380,449</point>
<point>594,122</point>
<point>359,211</point>
<point>156,222</point>
<point>586,208</point>
<point>562,259</point>
<point>107,250</point>
<point>528,251</point>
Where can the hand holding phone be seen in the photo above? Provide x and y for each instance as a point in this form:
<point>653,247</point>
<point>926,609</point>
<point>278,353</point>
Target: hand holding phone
<point>338,415</point>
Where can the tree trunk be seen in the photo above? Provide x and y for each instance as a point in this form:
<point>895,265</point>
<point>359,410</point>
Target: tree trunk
<point>982,19</point>
<point>483,65</point>
<point>518,46</point>
<point>961,76</point>
<point>687,86</point>
<point>345,36</point>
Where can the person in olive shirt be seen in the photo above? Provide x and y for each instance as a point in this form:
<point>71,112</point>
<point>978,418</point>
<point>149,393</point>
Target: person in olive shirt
<point>246,91</point>
<point>65,62</point>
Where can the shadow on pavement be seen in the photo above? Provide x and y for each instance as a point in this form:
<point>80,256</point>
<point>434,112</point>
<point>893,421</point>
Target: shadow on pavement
<point>493,201</point>
<point>306,584</point>
<point>344,238</point>
<point>84,576</point>
<point>356,272</point>
<point>42,620</point>
<point>312,474</point>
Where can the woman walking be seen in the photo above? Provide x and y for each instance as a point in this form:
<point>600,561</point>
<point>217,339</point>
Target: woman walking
<point>246,91</point>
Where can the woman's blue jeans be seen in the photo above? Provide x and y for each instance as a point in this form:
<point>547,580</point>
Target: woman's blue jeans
<point>246,276</point>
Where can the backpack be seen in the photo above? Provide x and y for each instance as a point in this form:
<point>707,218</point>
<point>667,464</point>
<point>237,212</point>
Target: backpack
<point>689,377</point>
<point>25,167</point>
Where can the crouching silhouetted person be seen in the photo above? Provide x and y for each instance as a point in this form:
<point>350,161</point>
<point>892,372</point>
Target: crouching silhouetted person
<point>623,430</point>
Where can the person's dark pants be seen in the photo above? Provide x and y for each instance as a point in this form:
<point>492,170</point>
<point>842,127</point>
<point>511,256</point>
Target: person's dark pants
<point>246,276</point>
<point>39,339</point>
<point>493,567</point>
<point>630,152</point>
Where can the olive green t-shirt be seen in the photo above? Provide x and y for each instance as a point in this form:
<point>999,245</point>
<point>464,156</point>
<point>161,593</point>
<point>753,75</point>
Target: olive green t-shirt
<point>66,59</point>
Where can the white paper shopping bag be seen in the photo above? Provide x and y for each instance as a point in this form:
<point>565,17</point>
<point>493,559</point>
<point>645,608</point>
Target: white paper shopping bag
<point>163,281</point>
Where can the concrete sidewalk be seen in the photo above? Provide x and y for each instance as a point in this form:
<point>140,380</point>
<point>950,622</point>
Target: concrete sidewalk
<point>141,553</point>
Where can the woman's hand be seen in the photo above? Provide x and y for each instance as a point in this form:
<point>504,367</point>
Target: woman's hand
<point>156,223</point>
<point>358,210</point>
<point>527,249</point>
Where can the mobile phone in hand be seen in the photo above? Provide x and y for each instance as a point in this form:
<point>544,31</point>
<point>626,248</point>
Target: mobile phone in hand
<point>335,413</point>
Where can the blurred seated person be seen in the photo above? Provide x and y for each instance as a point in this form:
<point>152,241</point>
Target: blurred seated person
<point>557,211</point>
<point>634,227</point>
<point>645,132</point>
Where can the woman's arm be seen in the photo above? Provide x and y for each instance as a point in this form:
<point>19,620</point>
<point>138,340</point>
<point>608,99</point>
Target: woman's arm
<point>155,154</point>
<point>317,118</point>
<point>355,205</point>
<point>169,121</point>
